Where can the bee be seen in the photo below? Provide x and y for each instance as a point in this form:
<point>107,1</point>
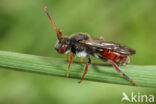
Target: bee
<point>84,46</point>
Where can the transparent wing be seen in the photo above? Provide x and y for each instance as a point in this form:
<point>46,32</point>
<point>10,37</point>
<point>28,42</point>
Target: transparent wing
<point>101,44</point>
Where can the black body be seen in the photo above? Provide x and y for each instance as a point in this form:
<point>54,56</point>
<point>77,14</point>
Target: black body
<point>81,42</point>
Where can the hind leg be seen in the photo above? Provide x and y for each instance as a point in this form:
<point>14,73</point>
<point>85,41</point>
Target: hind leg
<point>116,67</point>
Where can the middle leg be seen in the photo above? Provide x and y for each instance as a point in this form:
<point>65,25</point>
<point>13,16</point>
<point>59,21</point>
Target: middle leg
<point>86,68</point>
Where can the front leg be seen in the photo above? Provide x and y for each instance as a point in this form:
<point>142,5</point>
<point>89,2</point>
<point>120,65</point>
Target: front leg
<point>86,68</point>
<point>67,56</point>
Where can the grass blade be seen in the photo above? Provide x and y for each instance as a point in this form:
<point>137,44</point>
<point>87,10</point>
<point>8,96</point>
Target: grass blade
<point>145,76</point>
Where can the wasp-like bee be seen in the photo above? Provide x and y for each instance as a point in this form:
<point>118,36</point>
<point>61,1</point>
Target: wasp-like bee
<point>82,45</point>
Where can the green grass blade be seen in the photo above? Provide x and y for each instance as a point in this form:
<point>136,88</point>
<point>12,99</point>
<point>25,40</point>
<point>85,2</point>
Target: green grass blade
<point>145,76</point>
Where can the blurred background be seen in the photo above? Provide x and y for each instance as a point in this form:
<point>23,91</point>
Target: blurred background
<point>25,28</point>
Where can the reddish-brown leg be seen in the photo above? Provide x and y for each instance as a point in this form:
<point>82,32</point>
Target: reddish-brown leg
<point>118,69</point>
<point>70,61</point>
<point>67,56</point>
<point>120,60</point>
<point>85,72</point>
<point>81,59</point>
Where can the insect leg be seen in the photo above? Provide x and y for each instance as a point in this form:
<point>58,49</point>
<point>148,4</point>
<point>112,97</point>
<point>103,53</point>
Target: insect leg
<point>67,56</point>
<point>70,61</point>
<point>81,59</point>
<point>86,68</point>
<point>118,69</point>
<point>100,57</point>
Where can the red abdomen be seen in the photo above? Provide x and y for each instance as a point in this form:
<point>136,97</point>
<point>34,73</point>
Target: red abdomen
<point>116,57</point>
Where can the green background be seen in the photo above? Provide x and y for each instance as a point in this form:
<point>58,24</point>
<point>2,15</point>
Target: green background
<point>25,28</point>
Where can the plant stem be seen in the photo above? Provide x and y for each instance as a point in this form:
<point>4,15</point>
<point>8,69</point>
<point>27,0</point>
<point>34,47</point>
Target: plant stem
<point>145,76</point>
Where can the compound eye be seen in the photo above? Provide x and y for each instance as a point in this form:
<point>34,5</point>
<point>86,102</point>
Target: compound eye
<point>63,49</point>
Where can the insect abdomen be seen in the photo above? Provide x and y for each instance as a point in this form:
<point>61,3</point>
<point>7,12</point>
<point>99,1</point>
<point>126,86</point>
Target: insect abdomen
<point>116,57</point>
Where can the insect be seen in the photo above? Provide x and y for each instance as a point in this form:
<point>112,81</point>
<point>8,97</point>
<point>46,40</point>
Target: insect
<point>82,45</point>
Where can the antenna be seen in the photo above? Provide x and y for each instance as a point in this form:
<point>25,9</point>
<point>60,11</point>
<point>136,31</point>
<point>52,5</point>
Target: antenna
<point>51,20</point>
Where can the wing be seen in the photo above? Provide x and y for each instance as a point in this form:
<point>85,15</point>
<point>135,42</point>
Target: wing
<point>101,44</point>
